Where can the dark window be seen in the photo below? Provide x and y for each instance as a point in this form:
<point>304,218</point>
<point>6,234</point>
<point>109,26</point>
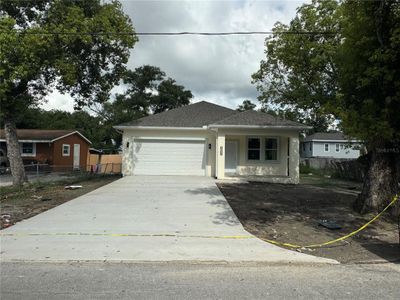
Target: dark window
<point>271,149</point>
<point>27,148</point>
<point>253,149</point>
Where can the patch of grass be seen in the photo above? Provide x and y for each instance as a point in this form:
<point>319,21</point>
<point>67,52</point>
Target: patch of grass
<point>309,170</point>
<point>22,202</point>
<point>327,181</point>
<point>38,185</point>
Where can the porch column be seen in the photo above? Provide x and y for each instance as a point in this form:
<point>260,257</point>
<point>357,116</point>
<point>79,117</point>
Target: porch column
<point>220,156</point>
<point>294,159</point>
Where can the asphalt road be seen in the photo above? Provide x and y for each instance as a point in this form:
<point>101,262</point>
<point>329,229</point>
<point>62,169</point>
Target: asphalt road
<point>197,281</point>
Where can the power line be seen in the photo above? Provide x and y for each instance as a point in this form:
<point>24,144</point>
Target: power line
<point>176,33</point>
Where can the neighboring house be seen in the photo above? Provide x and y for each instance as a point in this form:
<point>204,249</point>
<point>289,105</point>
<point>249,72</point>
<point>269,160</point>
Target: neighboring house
<point>210,140</point>
<point>68,149</point>
<point>330,144</point>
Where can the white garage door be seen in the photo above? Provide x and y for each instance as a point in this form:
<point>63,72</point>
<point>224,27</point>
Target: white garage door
<point>169,157</point>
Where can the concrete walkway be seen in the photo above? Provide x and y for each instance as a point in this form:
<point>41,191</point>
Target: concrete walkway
<point>143,218</point>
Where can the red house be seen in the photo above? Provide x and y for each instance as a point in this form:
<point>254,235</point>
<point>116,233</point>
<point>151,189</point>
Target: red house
<point>64,149</point>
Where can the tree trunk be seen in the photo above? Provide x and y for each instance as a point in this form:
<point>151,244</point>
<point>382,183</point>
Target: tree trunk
<point>381,182</point>
<point>14,153</point>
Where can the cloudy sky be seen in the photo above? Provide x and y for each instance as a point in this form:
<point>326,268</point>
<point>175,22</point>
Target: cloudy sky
<point>215,68</point>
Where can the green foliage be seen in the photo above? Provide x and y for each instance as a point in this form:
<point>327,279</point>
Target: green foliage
<point>352,74</point>
<point>148,91</point>
<point>369,72</point>
<point>169,96</point>
<point>246,105</point>
<point>90,126</point>
<point>305,169</point>
<point>299,71</point>
<point>85,65</point>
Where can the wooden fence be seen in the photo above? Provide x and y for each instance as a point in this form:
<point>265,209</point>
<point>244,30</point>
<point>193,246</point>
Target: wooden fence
<point>104,163</point>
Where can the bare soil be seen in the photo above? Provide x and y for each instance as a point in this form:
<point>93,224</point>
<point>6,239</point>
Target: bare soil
<point>17,204</point>
<point>290,214</point>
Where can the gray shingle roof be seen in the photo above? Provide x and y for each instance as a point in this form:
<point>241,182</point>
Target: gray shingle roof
<point>42,134</point>
<point>37,134</point>
<point>256,118</point>
<point>195,115</point>
<point>204,113</point>
<point>327,136</point>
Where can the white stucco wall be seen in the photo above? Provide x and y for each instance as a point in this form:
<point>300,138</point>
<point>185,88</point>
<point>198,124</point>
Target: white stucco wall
<point>128,153</point>
<point>217,140</point>
<point>263,167</point>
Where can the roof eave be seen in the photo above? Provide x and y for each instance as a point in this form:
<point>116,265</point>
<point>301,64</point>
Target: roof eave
<point>334,141</point>
<point>124,127</point>
<point>299,127</point>
<point>29,141</point>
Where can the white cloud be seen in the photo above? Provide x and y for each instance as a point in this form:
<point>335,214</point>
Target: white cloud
<point>217,69</point>
<point>58,101</point>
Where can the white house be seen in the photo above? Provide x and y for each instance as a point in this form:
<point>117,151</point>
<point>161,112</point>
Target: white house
<point>206,139</point>
<point>330,144</point>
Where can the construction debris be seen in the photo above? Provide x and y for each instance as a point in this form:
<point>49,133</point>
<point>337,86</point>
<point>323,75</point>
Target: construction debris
<point>5,220</point>
<point>329,224</point>
<point>73,187</point>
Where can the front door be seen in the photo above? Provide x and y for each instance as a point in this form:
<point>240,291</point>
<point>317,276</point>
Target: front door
<point>77,156</point>
<point>231,149</point>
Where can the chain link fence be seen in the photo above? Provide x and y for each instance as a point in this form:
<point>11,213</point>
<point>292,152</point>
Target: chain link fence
<point>48,173</point>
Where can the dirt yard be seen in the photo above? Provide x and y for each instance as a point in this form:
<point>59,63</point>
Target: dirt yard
<point>289,213</point>
<point>17,204</point>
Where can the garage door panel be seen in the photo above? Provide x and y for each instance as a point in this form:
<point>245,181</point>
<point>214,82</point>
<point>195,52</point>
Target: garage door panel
<point>169,157</point>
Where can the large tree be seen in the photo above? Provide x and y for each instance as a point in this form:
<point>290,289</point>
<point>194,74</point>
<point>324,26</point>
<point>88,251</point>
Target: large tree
<point>148,91</point>
<point>299,72</point>
<point>344,61</point>
<point>369,102</point>
<point>90,126</point>
<point>77,47</point>
<point>246,105</point>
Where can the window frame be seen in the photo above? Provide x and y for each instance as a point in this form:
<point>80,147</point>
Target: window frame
<point>326,144</point>
<point>337,147</point>
<point>277,149</point>
<point>69,150</point>
<point>262,149</point>
<point>21,147</point>
<point>259,149</point>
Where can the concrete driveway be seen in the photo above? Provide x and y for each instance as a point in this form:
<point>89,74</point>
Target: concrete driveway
<point>143,218</point>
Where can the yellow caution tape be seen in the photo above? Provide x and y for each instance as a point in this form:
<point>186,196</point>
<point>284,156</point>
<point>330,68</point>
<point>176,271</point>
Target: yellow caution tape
<point>395,198</point>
